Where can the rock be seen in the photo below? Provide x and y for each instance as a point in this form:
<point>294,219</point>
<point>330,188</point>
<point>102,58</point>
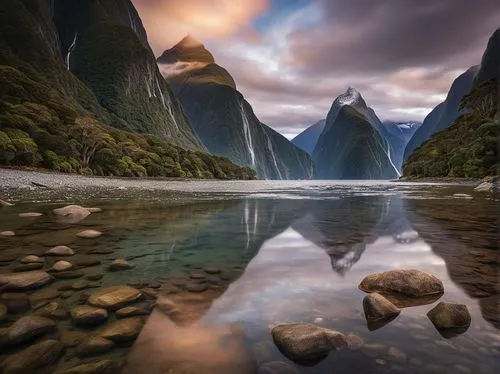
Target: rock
<point>30,214</point>
<point>32,358</point>
<point>378,309</point>
<point>24,281</point>
<point>54,310</point>
<point>302,342</point>
<point>131,311</point>
<point>69,274</point>
<point>406,283</point>
<point>397,355</point>
<point>5,204</point>
<point>94,346</point>
<point>71,213</point>
<point>83,284</point>
<point>88,315</point>
<point>31,259</point>
<point>16,303</point>
<point>60,250</point>
<point>66,294</point>
<point>94,276</point>
<point>114,297</point>
<point>197,276</point>
<point>89,234</point>
<point>485,187</point>
<point>72,338</point>
<point>197,287</point>
<point>374,350</point>
<point>123,330</point>
<point>27,267</point>
<point>99,367</point>
<point>211,270</point>
<point>3,312</point>
<point>94,210</point>
<point>26,328</point>
<point>62,266</point>
<point>449,316</point>
<point>354,341</point>
<point>379,361</point>
<point>277,367</point>
<point>119,264</point>
<point>87,261</point>
<point>7,233</point>
<point>41,297</point>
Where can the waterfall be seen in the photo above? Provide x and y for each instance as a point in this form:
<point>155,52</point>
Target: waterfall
<point>132,23</point>
<point>248,134</point>
<point>271,149</point>
<point>70,49</point>
<point>388,153</point>
<point>168,106</point>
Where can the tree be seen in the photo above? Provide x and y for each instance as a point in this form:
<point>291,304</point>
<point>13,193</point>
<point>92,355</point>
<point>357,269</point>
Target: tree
<point>88,138</point>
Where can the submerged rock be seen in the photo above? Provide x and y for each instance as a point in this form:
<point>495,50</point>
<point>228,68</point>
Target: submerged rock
<point>94,210</point>
<point>99,367</point>
<point>378,310</point>
<point>16,302</point>
<point>131,311</point>
<point>54,310</point>
<point>5,204</point>
<point>3,312</point>
<point>31,259</point>
<point>94,346</point>
<point>114,297</point>
<point>26,328</point>
<point>404,283</point>
<point>303,342</point>
<point>24,281</point>
<point>120,264</point>
<point>27,267</point>
<point>354,341</point>
<point>449,316</point>
<point>60,250</point>
<point>88,315</point>
<point>277,367</point>
<point>123,330</point>
<point>62,266</point>
<point>32,358</point>
<point>89,234</point>
<point>397,355</point>
<point>71,213</point>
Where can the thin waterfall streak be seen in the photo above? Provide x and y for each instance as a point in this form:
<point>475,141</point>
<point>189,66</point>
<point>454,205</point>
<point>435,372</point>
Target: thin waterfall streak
<point>248,134</point>
<point>271,149</point>
<point>70,49</point>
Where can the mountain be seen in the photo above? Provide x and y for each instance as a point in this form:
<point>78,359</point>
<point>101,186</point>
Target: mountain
<point>468,145</point>
<point>75,75</point>
<point>223,119</point>
<point>308,138</point>
<point>353,144</point>
<point>443,115</point>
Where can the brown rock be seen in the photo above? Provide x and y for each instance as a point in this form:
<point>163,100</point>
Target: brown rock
<point>114,297</point>
<point>16,302</point>
<point>60,250</point>
<point>100,367</point>
<point>89,234</point>
<point>7,233</point>
<point>3,312</point>
<point>211,270</point>
<point>31,259</point>
<point>449,315</point>
<point>71,213</point>
<point>131,311</point>
<point>94,346</point>
<point>119,264</point>
<point>54,310</point>
<point>27,328</point>
<point>62,266</point>
<point>24,281</point>
<point>123,330</point>
<point>377,308</point>
<point>88,315</point>
<point>33,358</point>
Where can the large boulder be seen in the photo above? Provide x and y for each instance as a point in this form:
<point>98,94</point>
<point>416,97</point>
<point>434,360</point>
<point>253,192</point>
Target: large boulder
<point>114,297</point>
<point>404,284</point>
<point>32,358</point>
<point>379,310</point>
<point>88,315</point>
<point>71,213</point>
<point>26,328</point>
<point>449,316</point>
<point>24,281</point>
<point>305,342</point>
<point>123,330</point>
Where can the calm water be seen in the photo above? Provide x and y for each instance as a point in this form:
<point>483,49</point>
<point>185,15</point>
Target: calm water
<point>287,252</point>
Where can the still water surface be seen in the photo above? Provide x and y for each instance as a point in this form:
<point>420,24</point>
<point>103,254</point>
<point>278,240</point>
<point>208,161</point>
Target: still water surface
<point>282,252</point>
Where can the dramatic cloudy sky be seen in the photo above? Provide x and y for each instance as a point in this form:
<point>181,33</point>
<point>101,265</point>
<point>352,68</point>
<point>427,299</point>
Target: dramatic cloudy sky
<point>291,58</point>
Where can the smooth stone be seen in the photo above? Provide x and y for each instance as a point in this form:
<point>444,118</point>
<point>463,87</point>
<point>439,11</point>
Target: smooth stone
<point>277,367</point>
<point>68,274</point>
<point>15,302</point>
<point>5,204</point>
<point>86,262</point>
<point>94,276</point>
<point>197,276</point>
<point>33,358</point>
<point>94,210</point>
<point>31,259</point>
<point>83,284</point>
<point>114,297</point>
<point>131,311</point>
<point>405,282</point>
<point>485,187</point>
<point>150,293</point>
<point>99,367</point>
<point>60,250</point>
<point>30,214</point>
<point>377,308</point>
<point>54,310</point>
<point>62,266</point>
<point>27,328</point>
<point>88,315</point>
<point>123,330</point>
<point>397,355</point>
<point>211,270</point>
<point>94,346</point>
<point>24,281</point>
<point>3,312</point>
<point>302,342</point>
<point>449,315</point>
<point>89,234</point>
<point>119,264</point>
<point>197,287</point>
<point>71,213</point>
<point>27,267</point>
<point>7,233</point>
<point>354,341</point>
<point>43,295</point>
<point>72,338</point>
<point>67,294</point>
<point>374,350</point>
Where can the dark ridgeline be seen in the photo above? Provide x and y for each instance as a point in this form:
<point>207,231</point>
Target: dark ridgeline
<point>223,119</point>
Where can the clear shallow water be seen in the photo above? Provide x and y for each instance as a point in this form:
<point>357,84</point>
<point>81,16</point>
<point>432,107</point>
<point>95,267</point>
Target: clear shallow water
<point>287,252</point>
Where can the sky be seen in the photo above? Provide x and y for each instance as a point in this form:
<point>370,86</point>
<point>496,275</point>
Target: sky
<point>291,58</point>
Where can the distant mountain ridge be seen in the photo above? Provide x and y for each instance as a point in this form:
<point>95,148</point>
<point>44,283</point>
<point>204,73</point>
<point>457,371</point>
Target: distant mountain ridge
<point>224,120</point>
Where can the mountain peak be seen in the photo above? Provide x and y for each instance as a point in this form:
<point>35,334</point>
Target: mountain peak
<point>189,41</point>
<point>350,97</point>
<point>189,49</point>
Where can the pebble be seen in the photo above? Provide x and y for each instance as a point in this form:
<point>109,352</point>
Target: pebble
<point>119,264</point>
<point>7,233</point>
<point>62,266</point>
<point>30,214</point>
<point>89,234</point>
<point>354,341</point>
<point>31,259</point>
<point>94,346</point>
<point>88,315</point>
<point>60,250</point>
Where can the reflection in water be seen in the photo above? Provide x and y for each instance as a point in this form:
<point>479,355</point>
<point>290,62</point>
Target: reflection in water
<point>272,261</point>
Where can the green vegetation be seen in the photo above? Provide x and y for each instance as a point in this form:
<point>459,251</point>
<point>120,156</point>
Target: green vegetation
<point>468,148</point>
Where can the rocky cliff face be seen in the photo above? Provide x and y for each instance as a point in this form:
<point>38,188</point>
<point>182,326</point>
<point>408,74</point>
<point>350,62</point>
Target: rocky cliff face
<point>308,138</point>
<point>354,143</point>
<point>224,120</point>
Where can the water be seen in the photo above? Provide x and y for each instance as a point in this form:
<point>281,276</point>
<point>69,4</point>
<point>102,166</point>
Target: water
<point>286,252</point>
<point>248,134</point>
